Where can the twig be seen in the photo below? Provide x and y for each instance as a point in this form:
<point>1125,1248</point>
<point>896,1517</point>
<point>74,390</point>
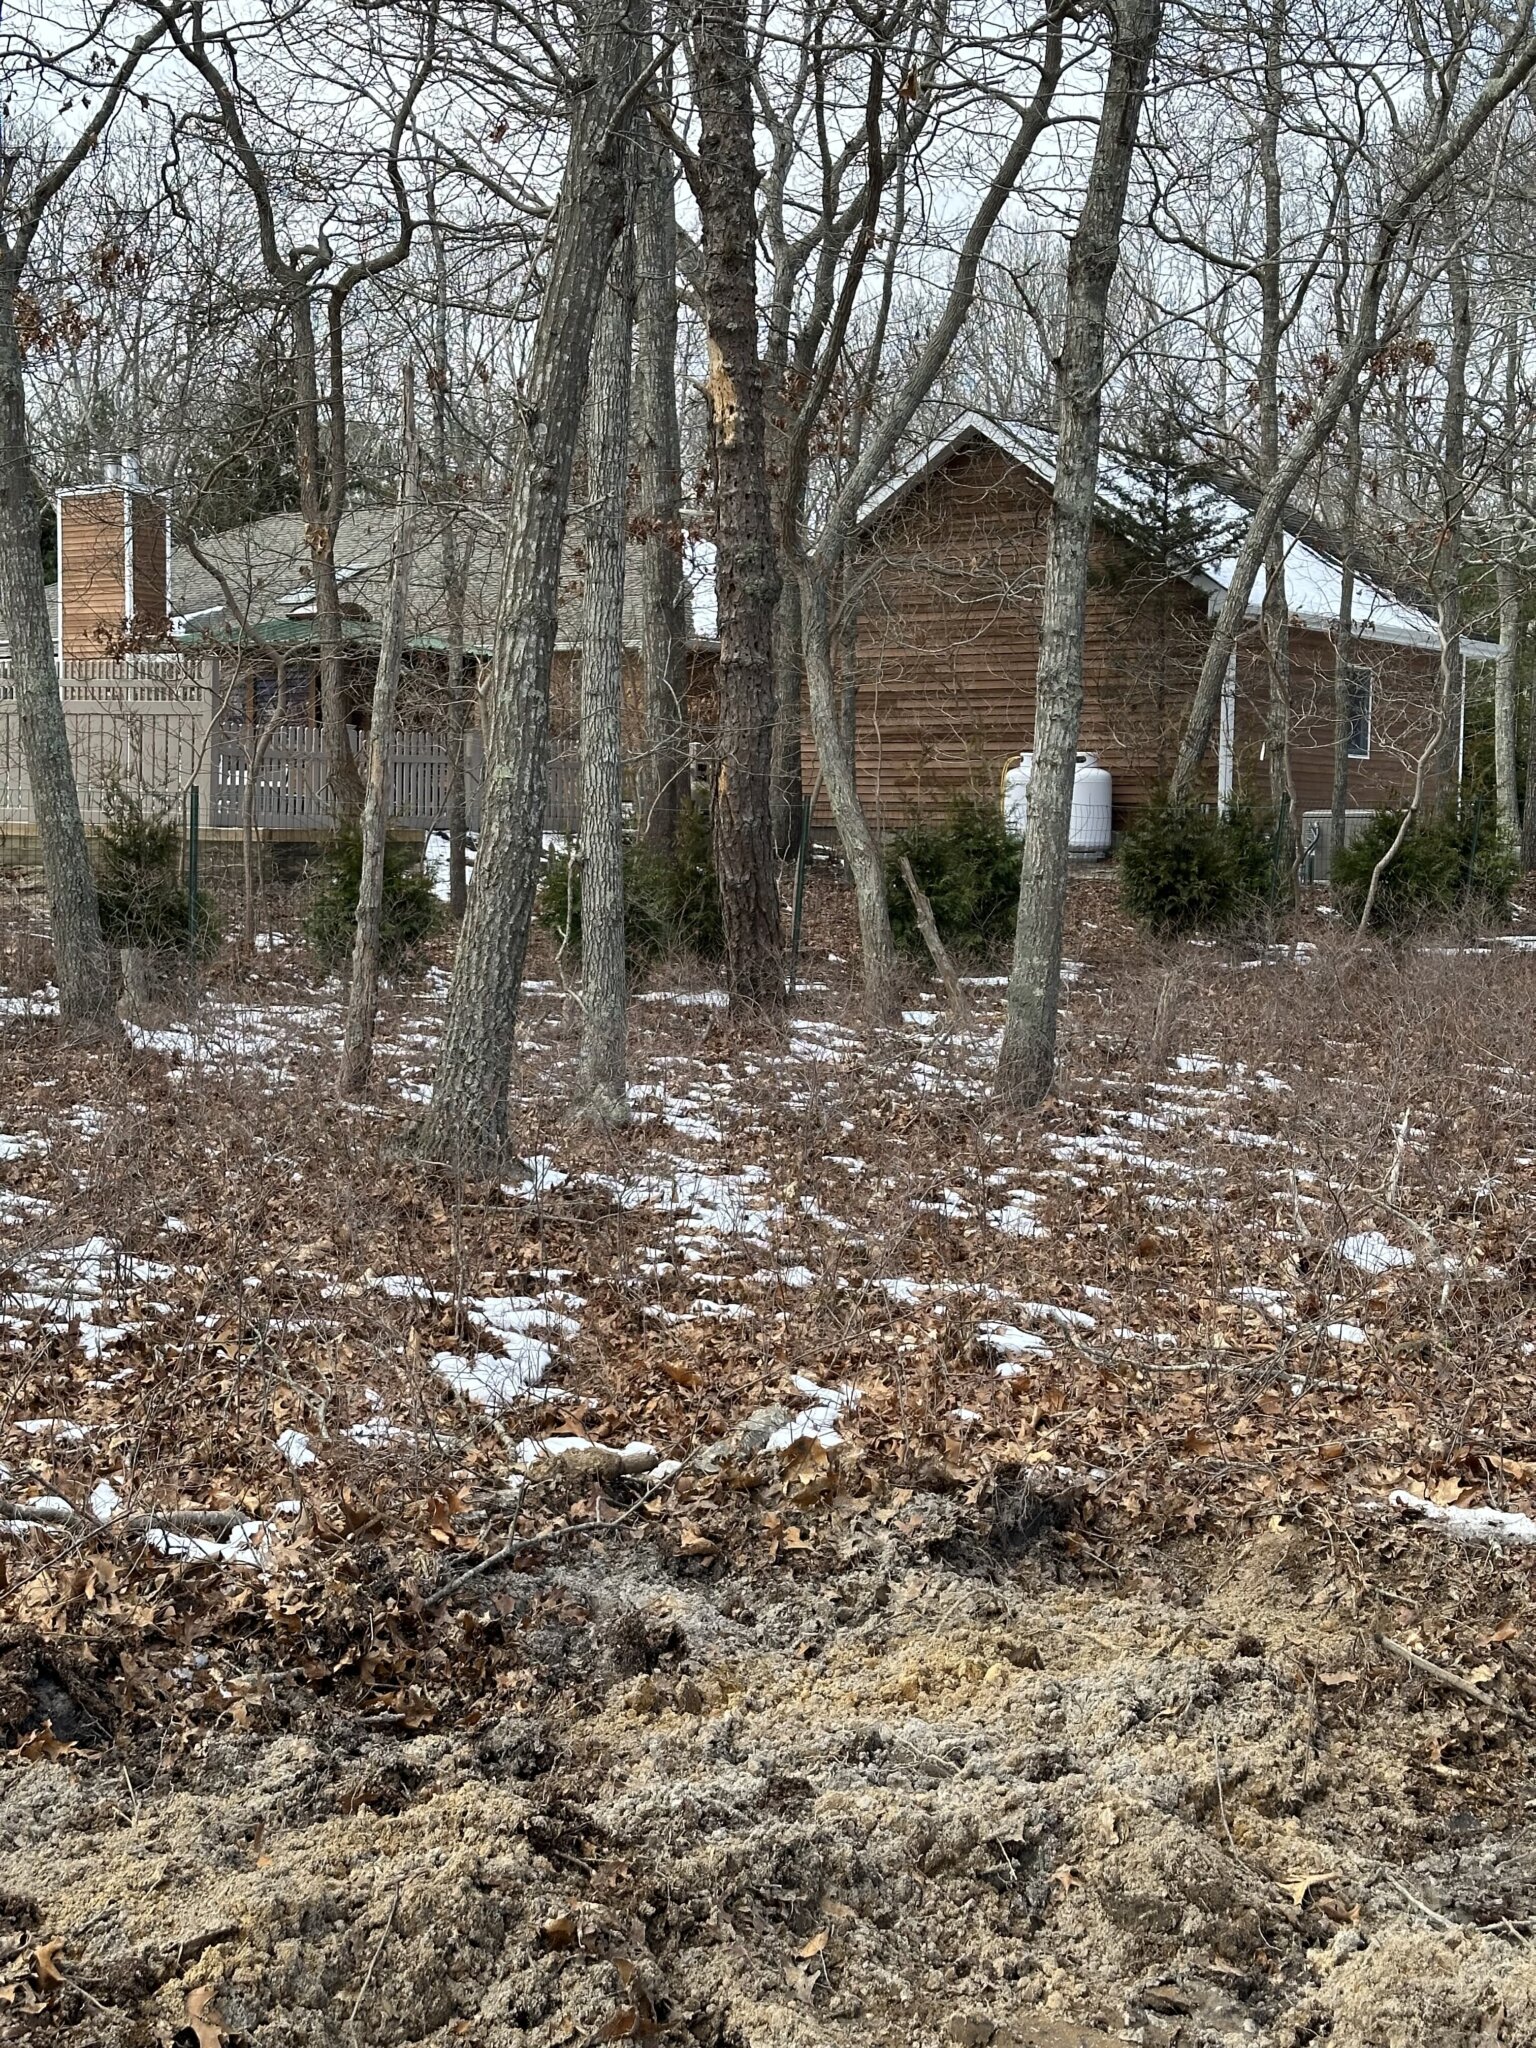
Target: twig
<point>394,1907</point>
<point>1395,1177</point>
<point>510,1549</point>
<point>1429,1911</point>
<point>1453,1681</point>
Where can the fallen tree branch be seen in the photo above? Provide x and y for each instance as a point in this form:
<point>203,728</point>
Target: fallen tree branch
<point>927,924</point>
<point>50,1512</point>
<point>1452,1681</point>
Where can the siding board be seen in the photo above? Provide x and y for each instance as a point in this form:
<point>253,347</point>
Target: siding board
<point>948,642</point>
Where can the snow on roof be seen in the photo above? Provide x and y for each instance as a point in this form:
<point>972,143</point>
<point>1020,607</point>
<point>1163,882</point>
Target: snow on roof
<point>1312,581</point>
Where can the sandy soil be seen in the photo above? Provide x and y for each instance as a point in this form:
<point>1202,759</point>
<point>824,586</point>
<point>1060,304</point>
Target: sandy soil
<point>906,1801</point>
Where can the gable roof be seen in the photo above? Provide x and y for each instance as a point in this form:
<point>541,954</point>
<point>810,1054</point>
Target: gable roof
<point>1313,585</point>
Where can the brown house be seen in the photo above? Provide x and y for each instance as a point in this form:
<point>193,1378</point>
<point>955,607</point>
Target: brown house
<point>952,563</point>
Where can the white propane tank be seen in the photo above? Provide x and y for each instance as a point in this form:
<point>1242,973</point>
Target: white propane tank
<point>1088,834</point>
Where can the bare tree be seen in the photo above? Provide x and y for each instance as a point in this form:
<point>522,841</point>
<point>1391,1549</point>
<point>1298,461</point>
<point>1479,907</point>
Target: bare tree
<point>747,570</point>
<point>820,566</point>
<point>601,1089</point>
<point>302,281</point>
<point>455,552</point>
<point>82,963</point>
<point>1452,493</point>
<point>466,1124</point>
<point>1402,217</point>
<point>1344,656</point>
<point>1028,1059</point>
<point>363,989</point>
<point>1506,681</point>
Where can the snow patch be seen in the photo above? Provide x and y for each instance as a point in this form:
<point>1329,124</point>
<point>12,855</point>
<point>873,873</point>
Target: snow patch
<point>1469,1525</point>
<point>1373,1253</point>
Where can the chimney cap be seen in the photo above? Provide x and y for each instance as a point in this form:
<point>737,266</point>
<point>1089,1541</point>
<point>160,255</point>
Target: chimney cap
<point>120,466</point>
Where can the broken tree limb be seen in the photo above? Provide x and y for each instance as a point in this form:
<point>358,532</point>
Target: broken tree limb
<point>938,952</point>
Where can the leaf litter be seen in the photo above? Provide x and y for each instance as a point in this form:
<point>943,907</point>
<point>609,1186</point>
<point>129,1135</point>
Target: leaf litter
<point>823,1680</point>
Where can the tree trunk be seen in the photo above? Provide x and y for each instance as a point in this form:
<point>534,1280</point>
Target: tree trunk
<point>259,739</point>
<point>1027,1063</point>
<point>1275,638</point>
<point>466,1124</point>
<point>601,1087</point>
<point>1528,818</point>
<point>1453,496</point>
<point>363,991</point>
<point>1344,646</point>
<point>746,572</point>
<point>1506,697</point>
<point>344,788</point>
<point>455,578</point>
<point>860,848</point>
<point>659,467</point>
<point>82,965</point>
<point>1275,618</point>
<point>460,709</point>
<point>788,667</point>
<point>137,996</point>
<point>1506,675</point>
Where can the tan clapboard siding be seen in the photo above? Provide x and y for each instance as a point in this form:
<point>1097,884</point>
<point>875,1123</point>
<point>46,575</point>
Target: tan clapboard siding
<point>93,599</point>
<point>949,640</point>
<point>150,602</point>
<point>1403,691</point>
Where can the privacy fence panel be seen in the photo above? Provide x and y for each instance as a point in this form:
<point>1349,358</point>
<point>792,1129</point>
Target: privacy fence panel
<point>138,727</point>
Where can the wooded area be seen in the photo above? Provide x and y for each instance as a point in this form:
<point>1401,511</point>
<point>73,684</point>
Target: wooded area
<point>767,830</point>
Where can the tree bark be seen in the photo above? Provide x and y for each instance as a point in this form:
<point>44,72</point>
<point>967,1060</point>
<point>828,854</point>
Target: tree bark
<point>1528,819</point>
<point>259,739</point>
<point>1453,499</point>
<point>343,781</point>
<point>82,964</point>
<point>788,668</point>
<point>860,847</point>
<point>1275,618</point>
<point>746,569</point>
<point>1506,675</point>
<point>466,1124</point>
<point>1027,1063</point>
<point>1344,642</point>
<point>659,494</point>
<point>601,1085</point>
<point>455,560</point>
<point>363,990</point>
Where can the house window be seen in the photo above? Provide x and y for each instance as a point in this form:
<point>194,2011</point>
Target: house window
<point>1359,712</point>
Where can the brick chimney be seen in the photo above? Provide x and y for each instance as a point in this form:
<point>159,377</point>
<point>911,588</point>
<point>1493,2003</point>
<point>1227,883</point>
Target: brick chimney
<point>114,548</point>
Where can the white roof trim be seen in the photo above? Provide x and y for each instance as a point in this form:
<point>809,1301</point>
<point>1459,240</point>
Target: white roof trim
<point>1312,581</point>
